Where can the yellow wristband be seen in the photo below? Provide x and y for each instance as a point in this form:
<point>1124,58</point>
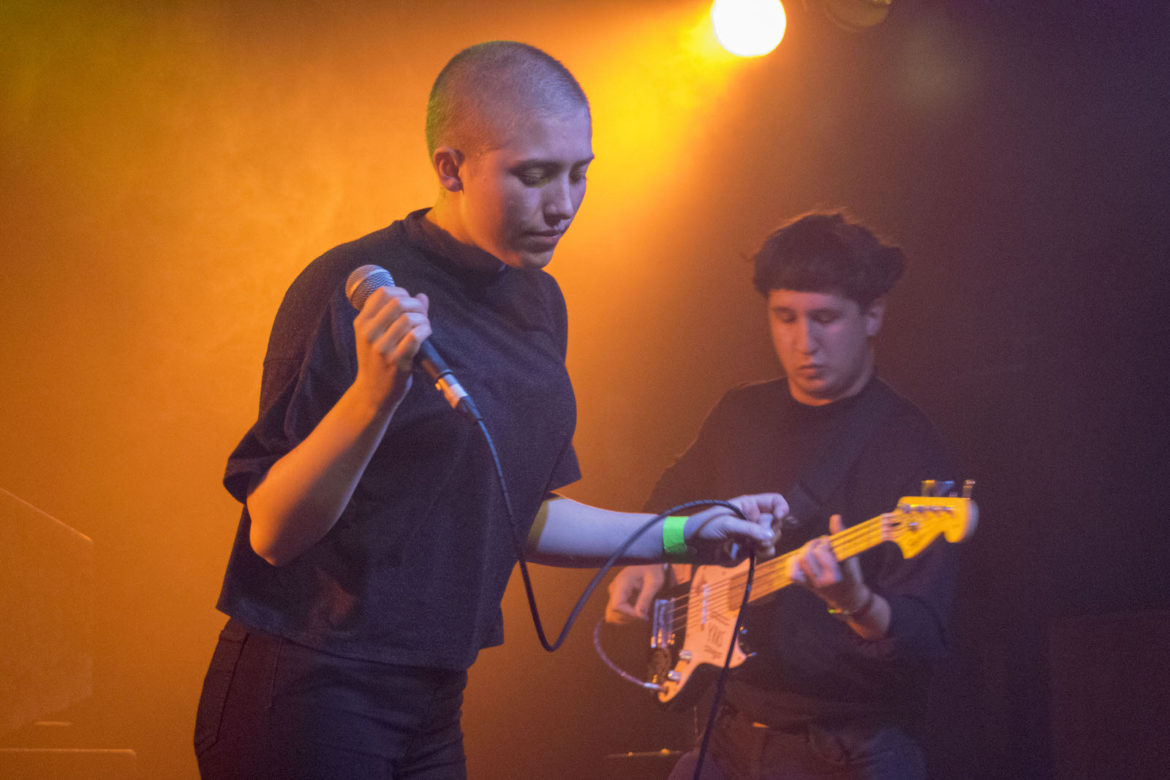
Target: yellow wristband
<point>674,543</point>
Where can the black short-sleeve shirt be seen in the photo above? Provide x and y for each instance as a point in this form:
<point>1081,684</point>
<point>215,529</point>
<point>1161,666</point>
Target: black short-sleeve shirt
<point>414,569</point>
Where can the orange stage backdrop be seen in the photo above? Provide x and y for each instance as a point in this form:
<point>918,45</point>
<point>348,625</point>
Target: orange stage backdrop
<point>168,168</point>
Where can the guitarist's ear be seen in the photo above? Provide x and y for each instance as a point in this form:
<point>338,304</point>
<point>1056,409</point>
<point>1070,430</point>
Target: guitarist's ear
<point>874,313</point>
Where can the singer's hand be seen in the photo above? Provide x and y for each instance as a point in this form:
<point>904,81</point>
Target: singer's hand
<point>720,536</point>
<point>632,592</point>
<point>388,331</point>
<point>295,503</point>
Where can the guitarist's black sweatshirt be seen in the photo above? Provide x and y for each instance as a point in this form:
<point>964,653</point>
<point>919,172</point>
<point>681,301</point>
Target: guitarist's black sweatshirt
<point>809,666</point>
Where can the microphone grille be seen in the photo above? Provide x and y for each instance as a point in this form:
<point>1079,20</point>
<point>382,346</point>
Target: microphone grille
<point>363,281</point>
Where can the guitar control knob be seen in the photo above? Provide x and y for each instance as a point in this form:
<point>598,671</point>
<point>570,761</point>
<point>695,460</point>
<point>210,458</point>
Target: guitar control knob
<point>685,655</point>
<point>673,676</point>
<point>658,664</point>
<point>745,646</point>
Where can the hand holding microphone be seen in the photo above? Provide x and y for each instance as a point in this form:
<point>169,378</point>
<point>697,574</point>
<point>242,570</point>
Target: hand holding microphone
<point>364,282</point>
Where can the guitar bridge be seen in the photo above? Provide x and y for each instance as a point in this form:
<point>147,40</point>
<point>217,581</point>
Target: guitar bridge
<point>661,659</point>
<point>661,625</point>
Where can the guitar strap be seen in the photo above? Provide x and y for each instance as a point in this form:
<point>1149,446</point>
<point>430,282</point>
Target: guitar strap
<point>825,471</point>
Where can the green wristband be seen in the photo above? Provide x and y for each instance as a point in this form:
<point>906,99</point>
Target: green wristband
<point>674,543</point>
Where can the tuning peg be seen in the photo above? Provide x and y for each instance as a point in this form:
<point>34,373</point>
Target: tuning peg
<point>933,488</point>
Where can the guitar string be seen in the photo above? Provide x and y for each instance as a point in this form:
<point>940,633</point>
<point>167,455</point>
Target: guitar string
<point>770,576</point>
<point>845,544</point>
<point>773,575</point>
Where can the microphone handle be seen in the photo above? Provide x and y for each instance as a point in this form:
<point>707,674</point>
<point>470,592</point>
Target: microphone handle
<point>445,381</point>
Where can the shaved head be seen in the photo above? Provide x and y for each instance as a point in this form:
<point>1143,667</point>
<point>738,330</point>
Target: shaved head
<point>484,87</point>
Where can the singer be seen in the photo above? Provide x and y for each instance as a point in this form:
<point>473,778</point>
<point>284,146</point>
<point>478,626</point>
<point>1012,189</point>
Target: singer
<point>374,543</point>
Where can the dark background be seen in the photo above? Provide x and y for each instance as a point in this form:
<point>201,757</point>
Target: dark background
<point>167,170</point>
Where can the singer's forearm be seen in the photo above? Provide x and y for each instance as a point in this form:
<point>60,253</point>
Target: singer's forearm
<point>301,496</point>
<point>569,533</point>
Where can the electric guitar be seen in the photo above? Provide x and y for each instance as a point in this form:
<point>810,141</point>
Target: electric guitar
<point>691,632</point>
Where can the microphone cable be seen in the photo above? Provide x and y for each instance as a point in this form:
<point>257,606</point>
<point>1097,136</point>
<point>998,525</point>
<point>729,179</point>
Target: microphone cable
<point>522,560</point>
<point>529,592</point>
<point>362,282</point>
<point>359,285</point>
<point>722,679</point>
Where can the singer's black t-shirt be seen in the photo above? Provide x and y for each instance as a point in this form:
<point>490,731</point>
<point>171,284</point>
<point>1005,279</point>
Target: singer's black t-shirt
<point>413,571</point>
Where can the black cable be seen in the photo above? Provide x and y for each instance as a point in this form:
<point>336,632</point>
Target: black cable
<point>722,679</point>
<point>601,572</point>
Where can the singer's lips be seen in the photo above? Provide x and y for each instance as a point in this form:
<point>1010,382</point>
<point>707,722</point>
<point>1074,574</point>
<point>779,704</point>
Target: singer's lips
<point>545,237</point>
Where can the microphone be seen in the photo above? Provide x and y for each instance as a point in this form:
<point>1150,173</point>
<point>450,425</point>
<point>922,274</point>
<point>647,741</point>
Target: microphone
<point>358,287</point>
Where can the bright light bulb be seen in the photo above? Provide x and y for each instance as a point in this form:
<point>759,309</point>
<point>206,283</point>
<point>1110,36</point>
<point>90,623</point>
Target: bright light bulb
<point>748,28</point>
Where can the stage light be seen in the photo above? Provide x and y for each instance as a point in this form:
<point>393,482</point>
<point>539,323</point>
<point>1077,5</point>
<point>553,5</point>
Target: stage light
<point>748,28</point>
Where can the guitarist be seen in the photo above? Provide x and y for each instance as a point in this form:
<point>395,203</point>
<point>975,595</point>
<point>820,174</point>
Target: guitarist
<point>838,683</point>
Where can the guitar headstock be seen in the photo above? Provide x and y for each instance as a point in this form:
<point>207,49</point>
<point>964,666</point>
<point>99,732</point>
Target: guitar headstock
<point>918,520</point>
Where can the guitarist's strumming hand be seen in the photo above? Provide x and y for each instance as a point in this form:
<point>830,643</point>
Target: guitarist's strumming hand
<point>841,585</point>
<point>632,592</point>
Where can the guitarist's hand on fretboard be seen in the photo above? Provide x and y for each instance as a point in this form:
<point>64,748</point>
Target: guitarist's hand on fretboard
<point>840,585</point>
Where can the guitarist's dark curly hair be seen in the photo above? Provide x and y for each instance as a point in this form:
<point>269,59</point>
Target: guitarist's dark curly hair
<point>827,252</point>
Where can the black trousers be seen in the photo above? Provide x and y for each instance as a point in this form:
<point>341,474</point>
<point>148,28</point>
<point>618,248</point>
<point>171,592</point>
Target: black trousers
<point>271,708</point>
<point>742,750</point>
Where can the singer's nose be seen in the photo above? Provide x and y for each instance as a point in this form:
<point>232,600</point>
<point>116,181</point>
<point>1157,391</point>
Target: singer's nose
<point>558,202</point>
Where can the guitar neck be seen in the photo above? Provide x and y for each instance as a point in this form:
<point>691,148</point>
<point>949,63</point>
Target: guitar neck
<point>772,575</point>
<point>913,525</point>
